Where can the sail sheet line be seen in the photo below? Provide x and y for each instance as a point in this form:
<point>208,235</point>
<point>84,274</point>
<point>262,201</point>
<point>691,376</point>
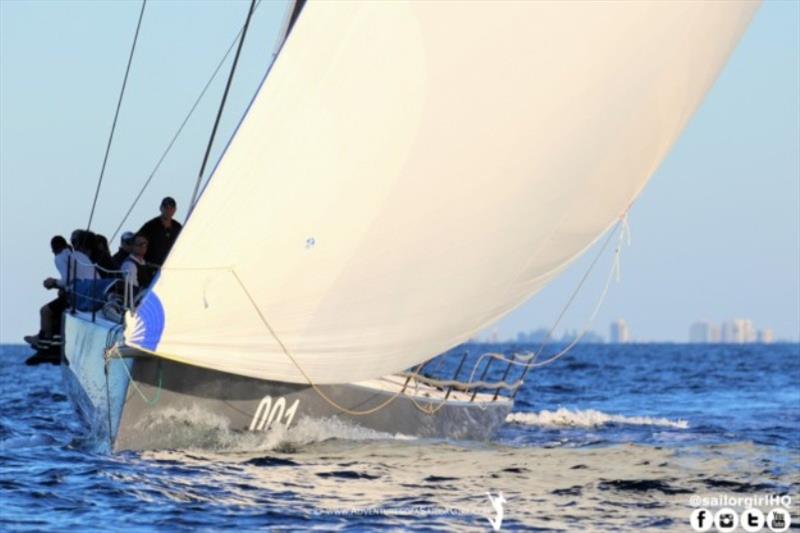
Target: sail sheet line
<point>325,397</point>
<point>529,362</point>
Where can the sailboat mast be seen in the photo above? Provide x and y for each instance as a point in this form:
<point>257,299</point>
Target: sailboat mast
<point>296,9</point>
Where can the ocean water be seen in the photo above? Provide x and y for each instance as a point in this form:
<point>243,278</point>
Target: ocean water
<point>608,438</point>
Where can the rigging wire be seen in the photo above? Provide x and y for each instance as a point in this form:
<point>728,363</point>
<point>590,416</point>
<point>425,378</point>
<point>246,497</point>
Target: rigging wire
<point>283,35</point>
<point>221,106</point>
<point>179,130</point>
<point>116,115</point>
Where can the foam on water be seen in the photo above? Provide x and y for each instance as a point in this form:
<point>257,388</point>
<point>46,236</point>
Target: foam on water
<point>196,429</point>
<point>588,418</point>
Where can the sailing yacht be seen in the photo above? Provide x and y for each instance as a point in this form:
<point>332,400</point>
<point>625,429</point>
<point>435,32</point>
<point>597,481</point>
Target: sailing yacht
<point>407,174</point>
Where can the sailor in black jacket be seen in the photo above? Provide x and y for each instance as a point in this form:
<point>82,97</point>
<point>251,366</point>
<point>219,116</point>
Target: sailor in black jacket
<point>161,233</point>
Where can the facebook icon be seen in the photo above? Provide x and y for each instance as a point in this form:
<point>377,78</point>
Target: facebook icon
<point>701,519</point>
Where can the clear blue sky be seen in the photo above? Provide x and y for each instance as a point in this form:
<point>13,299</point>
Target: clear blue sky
<point>715,235</point>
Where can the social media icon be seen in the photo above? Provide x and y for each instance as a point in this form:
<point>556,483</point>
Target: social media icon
<point>726,520</point>
<point>779,520</point>
<point>701,519</point>
<point>752,520</point>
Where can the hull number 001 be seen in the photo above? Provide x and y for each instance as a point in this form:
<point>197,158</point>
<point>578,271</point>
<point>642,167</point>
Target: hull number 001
<point>269,412</point>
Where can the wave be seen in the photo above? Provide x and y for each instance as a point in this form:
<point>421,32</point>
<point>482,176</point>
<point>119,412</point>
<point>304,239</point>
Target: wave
<point>196,429</point>
<point>589,418</point>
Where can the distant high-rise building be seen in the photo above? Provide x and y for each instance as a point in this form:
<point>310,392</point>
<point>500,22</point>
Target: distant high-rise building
<point>748,331</point>
<point>728,334</point>
<point>700,332</point>
<point>738,331</point>
<point>713,333</point>
<point>619,333</point>
<point>765,336</point>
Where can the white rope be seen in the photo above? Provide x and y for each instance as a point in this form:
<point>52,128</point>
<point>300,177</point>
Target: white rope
<point>590,321</point>
<point>529,361</point>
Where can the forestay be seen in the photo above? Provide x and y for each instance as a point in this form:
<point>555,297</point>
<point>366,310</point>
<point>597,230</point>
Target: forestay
<point>412,171</point>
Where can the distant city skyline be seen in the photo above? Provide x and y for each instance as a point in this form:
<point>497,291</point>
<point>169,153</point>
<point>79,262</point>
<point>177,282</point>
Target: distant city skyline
<point>733,331</point>
<point>737,330</point>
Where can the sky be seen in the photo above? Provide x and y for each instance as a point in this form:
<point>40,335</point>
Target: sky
<point>715,235</point>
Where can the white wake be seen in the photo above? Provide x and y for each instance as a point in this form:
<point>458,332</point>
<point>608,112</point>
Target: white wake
<point>589,418</point>
<point>201,430</point>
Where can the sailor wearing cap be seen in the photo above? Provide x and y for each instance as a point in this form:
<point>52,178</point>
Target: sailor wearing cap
<point>161,233</point>
<point>125,244</point>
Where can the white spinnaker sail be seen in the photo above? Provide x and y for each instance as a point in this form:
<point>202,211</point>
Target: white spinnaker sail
<point>412,171</point>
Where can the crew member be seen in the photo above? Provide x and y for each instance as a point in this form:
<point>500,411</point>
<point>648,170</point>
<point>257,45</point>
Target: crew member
<point>71,265</point>
<point>125,246</point>
<point>136,277</point>
<point>161,233</point>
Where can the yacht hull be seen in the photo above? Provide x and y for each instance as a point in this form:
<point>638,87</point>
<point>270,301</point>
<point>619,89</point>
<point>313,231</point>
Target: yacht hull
<point>142,402</point>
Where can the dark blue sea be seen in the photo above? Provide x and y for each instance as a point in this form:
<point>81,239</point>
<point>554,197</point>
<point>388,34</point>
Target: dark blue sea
<point>610,437</point>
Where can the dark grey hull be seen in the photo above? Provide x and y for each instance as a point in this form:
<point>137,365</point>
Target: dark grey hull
<point>142,402</point>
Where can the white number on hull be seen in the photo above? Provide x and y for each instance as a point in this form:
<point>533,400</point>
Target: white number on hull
<point>267,412</point>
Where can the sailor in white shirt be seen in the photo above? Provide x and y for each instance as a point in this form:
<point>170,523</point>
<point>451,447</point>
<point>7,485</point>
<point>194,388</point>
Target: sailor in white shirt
<point>71,265</point>
<point>62,264</point>
<point>131,265</point>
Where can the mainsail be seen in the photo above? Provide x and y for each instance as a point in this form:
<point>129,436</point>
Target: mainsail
<point>410,172</point>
